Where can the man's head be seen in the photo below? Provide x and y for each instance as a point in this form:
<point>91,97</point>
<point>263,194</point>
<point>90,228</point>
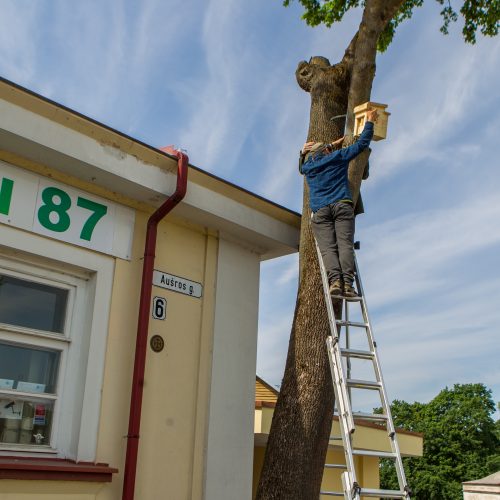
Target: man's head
<point>324,148</point>
<point>318,147</point>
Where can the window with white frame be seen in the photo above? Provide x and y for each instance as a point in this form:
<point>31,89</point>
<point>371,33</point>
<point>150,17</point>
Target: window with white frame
<point>41,311</point>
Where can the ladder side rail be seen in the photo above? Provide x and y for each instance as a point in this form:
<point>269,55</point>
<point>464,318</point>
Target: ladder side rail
<point>328,298</point>
<point>346,420</point>
<point>338,373</point>
<point>339,387</point>
<point>347,344</point>
<point>350,487</point>
<point>343,409</point>
<point>383,393</point>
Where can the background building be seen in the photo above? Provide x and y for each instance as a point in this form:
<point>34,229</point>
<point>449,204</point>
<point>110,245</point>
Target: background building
<point>368,436</point>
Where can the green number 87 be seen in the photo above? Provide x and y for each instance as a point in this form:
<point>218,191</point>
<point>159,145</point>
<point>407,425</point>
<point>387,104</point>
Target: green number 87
<point>61,209</point>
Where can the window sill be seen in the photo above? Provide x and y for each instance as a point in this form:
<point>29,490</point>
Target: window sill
<point>54,469</point>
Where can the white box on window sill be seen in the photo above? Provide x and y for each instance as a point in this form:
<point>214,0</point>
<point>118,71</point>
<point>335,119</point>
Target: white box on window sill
<point>5,383</point>
<point>30,387</point>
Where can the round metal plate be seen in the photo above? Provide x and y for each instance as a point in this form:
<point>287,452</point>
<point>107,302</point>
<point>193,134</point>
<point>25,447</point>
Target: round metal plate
<point>157,343</point>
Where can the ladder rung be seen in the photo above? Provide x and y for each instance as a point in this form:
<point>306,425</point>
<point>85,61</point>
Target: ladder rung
<point>349,299</point>
<point>335,466</point>
<point>342,322</point>
<point>332,493</point>
<point>356,353</point>
<point>335,438</point>
<point>368,492</point>
<point>371,453</point>
<point>370,416</point>
<point>364,384</point>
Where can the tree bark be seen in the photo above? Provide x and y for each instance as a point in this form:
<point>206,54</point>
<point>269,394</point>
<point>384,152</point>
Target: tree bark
<point>300,430</point>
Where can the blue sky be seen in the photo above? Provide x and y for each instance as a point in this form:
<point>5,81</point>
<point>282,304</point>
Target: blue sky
<point>216,77</point>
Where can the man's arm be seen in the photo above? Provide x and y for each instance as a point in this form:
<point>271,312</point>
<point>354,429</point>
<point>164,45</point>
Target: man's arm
<point>364,139</point>
<point>360,145</point>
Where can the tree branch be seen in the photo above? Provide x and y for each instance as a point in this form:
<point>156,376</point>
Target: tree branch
<point>349,53</point>
<point>376,15</point>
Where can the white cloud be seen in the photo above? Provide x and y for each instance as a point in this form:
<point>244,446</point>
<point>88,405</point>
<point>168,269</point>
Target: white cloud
<point>282,179</point>
<point>272,349</point>
<point>17,40</point>
<point>290,274</point>
<point>407,253</point>
<point>156,31</point>
<point>429,105</point>
<point>223,102</point>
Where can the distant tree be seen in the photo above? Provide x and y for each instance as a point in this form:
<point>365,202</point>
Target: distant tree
<point>298,440</point>
<point>461,442</point>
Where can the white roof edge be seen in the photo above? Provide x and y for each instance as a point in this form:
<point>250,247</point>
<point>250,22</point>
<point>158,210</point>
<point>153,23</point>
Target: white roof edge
<point>45,141</point>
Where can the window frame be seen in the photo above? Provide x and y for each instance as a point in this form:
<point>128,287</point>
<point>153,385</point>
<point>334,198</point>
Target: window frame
<point>27,272</point>
<point>89,276</point>
<point>34,338</point>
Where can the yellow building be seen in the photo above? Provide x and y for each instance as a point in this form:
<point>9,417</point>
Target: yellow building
<point>368,436</point>
<point>75,199</point>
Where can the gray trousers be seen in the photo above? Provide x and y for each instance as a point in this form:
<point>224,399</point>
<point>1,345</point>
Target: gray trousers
<point>333,228</point>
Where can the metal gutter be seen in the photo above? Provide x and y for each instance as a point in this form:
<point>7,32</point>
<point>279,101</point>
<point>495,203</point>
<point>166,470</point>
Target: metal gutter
<point>143,323</point>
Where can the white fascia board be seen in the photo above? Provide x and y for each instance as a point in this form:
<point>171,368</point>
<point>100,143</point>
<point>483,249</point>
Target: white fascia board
<point>264,234</point>
<point>73,153</point>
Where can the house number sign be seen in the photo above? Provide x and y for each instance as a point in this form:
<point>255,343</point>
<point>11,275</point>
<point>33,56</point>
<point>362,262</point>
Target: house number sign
<point>41,205</point>
<point>159,308</point>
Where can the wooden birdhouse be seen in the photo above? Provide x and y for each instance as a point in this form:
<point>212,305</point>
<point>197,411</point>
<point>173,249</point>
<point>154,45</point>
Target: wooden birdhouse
<point>380,128</point>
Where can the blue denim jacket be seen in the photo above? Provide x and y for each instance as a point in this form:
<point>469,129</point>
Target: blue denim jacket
<point>326,174</point>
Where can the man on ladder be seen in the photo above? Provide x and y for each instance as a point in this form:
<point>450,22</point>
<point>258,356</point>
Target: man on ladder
<point>330,199</point>
<point>326,171</point>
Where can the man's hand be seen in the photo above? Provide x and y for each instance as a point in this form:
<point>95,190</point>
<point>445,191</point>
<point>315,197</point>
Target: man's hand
<point>307,147</point>
<point>372,115</point>
<point>338,141</point>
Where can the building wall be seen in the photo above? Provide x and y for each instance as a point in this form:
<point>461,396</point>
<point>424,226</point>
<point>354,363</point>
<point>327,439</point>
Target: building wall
<point>367,472</point>
<point>48,490</point>
<point>229,467</point>
<point>176,394</point>
<point>196,432</point>
<point>483,495</point>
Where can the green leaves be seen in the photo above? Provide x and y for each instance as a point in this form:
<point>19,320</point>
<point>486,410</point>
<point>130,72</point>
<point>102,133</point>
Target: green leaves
<point>404,13</point>
<point>326,12</point>
<point>478,15</point>
<point>482,15</point>
<point>461,441</point>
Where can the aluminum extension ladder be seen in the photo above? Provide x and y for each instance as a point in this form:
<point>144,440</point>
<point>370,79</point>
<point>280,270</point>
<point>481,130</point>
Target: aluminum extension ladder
<point>343,383</point>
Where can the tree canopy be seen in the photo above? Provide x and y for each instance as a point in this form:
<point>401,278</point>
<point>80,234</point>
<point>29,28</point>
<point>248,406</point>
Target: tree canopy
<point>477,15</point>
<point>461,441</point>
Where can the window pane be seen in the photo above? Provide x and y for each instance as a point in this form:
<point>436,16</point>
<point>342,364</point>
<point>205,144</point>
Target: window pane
<point>32,305</point>
<point>28,369</point>
<point>25,422</point>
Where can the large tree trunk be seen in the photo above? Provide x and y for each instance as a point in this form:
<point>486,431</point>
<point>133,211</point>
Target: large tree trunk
<point>298,440</point>
<point>296,450</point>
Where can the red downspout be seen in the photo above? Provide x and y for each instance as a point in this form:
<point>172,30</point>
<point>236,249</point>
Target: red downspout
<point>134,422</point>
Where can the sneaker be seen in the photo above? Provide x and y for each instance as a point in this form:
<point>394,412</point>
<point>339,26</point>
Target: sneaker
<point>336,287</point>
<point>349,291</point>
